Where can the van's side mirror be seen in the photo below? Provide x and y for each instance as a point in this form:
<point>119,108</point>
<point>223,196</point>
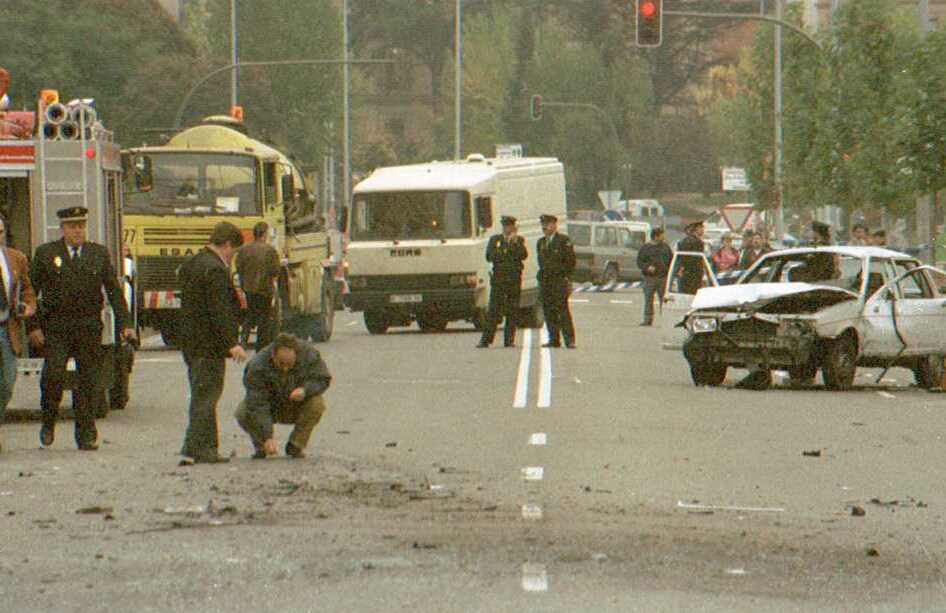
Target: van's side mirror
<point>484,214</point>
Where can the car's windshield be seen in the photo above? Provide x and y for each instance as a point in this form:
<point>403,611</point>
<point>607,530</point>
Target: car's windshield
<point>815,267</point>
<point>411,215</point>
<point>191,183</point>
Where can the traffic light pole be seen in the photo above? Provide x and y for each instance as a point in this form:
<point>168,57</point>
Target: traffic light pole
<point>747,17</point>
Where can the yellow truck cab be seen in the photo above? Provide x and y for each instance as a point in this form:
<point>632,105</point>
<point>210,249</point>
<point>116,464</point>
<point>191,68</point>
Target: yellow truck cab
<point>213,172</point>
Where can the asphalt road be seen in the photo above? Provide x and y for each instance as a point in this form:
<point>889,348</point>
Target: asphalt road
<point>449,478</point>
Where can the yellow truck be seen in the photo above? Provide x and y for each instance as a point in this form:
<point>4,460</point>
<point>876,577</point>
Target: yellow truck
<point>175,193</point>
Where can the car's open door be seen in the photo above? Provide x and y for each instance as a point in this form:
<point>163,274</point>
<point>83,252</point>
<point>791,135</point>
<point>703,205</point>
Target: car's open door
<point>689,271</point>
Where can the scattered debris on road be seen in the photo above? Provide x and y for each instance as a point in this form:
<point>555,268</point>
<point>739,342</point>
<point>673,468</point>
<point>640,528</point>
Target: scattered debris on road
<point>858,511</point>
<point>816,453</point>
<point>96,510</point>
<point>873,553</point>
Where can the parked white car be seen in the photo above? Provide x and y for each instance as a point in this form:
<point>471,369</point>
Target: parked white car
<point>827,308</point>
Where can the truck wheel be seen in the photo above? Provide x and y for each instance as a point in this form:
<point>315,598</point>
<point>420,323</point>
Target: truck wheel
<point>324,323</point>
<point>708,373</point>
<point>610,275</point>
<point>432,323</point>
<point>377,322</point>
<point>840,364</point>
<point>928,371</point>
<point>803,375</point>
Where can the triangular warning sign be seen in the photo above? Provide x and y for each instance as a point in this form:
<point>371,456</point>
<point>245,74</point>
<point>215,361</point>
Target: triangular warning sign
<point>736,216</point>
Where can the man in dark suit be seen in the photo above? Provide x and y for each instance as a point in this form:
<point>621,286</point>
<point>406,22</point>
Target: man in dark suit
<point>506,252</point>
<point>210,320</point>
<point>257,263</point>
<point>69,276</point>
<point>556,266</point>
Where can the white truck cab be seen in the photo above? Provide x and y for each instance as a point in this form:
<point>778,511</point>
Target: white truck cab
<point>418,235</point>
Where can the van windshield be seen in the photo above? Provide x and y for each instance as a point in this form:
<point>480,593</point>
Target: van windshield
<point>411,215</point>
<point>175,183</point>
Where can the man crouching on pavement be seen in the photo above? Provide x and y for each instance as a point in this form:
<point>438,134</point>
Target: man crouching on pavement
<point>284,384</point>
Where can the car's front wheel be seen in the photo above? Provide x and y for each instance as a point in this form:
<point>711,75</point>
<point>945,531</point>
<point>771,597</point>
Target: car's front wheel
<point>708,373</point>
<point>840,364</point>
<point>928,371</point>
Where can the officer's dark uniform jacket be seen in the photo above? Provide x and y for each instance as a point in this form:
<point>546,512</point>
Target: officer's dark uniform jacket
<point>209,306</point>
<point>556,259</point>
<point>691,269</point>
<point>71,290</point>
<point>267,388</point>
<point>506,257</point>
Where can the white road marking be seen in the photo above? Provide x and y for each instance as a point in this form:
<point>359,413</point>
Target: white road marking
<point>545,373</point>
<point>578,300</point>
<point>887,395</point>
<point>531,511</point>
<point>535,578</point>
<point>538,439</point>
<point>533,473</point>
<point>522,379</point>
<point>713,507</point>
<point>621,301</point>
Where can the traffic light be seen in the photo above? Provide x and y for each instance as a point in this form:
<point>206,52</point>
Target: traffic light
<point>535,109</point>
<point>650,23</point>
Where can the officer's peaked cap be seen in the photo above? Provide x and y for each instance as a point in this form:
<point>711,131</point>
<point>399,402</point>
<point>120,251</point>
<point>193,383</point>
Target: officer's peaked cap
<point>73,213</point>
<point>547,218</point>
<point>508,220</point>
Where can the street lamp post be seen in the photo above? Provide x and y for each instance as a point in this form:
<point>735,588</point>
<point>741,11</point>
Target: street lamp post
<point>458,102</point>
<point>235,77</point>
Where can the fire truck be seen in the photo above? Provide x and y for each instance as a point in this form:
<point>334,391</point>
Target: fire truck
<point>56,156</point>
<point>175,193</point>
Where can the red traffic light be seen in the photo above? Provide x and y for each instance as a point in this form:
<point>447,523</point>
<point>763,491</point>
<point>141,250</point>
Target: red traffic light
<point>648,9</point>
<point>649,26</point>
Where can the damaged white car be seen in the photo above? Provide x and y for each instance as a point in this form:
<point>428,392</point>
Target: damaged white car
<point>827,308</point>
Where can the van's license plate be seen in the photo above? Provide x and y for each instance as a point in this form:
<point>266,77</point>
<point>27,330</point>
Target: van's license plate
<point>402,298</point>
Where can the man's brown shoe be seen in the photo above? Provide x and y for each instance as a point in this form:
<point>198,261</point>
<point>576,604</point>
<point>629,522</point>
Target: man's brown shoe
<point>294,452</point>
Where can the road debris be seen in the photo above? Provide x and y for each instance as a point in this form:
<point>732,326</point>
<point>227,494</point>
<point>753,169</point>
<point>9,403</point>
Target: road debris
<point>873,553</point>
<point>392,444</point>
<point>419,545</point>
<point>816,453</point>
<point>858,511</point>
<point>599,557</point>
<point>909,502</point>
<point>696,506</point>
<point>96,510</point>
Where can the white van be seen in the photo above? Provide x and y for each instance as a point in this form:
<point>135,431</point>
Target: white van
<point>418,235</point>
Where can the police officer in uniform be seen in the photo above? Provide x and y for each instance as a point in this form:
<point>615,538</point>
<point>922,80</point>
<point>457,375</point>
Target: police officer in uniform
<point>69,276</point>
<point>556,265</point>
<point>506,252</point>
<point>691,268</point>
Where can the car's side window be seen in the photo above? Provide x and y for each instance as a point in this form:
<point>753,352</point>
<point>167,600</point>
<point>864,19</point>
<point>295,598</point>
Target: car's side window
<point>914,286</point>
<point>601,236</point>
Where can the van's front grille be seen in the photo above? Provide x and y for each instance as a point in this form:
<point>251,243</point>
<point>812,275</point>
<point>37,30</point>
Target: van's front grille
<point>158,272</point>
<point>174,237</point>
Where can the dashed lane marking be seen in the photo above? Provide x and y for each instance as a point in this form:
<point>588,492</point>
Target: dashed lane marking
<point>545,373</point>
<point>538,438</point>
<point>578,300</point>
<point>535,578</point>
<point>621,301</point>
<point>887,395</point>
<point>522,379</point>
<point>533,473</point>
<point>531,511</point>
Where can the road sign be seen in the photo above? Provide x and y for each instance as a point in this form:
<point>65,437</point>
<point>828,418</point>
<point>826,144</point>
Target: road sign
<point>509,150</point>
<point>735,180</point>
<point>610,198</point>
<point>736,216</point>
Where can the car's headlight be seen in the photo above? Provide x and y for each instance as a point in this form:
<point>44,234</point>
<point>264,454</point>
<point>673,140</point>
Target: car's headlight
<point>699,325</point>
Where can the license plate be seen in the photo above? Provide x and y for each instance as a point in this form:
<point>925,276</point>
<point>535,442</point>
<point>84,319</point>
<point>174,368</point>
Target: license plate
<point>403,298</point>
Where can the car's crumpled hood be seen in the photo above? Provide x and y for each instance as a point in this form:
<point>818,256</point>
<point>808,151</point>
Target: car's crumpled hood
<point>749,293</point>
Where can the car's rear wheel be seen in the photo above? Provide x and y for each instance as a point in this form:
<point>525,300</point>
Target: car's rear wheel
<point>928,371</point>
<point>377,322</point>
<point>610,275</point>
<point>840,364</point>
<point>803,375</point>
<point>708,373</point>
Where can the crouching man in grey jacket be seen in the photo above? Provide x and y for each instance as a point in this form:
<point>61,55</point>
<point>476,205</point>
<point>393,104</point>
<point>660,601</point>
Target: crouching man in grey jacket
<point>284,384</point>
